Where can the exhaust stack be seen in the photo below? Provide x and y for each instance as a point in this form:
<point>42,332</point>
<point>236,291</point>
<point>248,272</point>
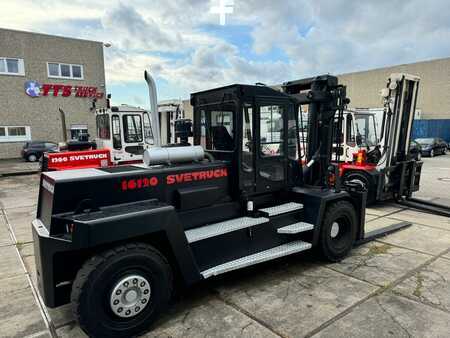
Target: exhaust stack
<point>154,109</point>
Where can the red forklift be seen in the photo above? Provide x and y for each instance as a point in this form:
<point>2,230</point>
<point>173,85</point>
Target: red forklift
<point>115,241</point>
<point>381,163</point>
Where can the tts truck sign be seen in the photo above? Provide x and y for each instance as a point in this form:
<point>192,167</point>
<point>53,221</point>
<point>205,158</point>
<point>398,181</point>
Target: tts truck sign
<point>35,89</point>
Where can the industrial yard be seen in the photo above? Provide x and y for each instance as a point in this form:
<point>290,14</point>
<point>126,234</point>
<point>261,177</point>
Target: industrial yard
<point>397,286</point>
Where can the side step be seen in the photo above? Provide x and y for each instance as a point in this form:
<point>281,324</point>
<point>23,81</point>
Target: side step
<point>263,256</point>
<point>221,228</point>
<point>282,208</point>
<point>295,228</point>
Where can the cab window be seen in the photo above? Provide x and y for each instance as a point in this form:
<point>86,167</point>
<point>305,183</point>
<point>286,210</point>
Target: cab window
<point>350,131</point>
<point>148,133</point>
<point>117,138</point>
<point>271,127</point>
<point>132,128</point>
<point>247,140</point>
<point>103,128</point>
<point>217,129</point>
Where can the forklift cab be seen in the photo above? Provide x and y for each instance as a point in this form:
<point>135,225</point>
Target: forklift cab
<point>254,128</point>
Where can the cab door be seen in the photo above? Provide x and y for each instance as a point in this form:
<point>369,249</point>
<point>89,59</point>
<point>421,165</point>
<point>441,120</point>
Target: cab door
<point>270,146</point>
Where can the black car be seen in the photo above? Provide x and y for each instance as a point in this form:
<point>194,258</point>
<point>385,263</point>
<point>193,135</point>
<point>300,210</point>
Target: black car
<point>33,151</point>
<point>415,150</point>
<point>432,146</point>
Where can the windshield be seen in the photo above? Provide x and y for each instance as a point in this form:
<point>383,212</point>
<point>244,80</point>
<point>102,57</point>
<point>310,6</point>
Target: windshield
<point>132,128</point>
<point>424,140</point>
<point>365,129</point>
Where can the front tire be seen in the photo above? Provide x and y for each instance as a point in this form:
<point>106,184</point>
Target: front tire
<point>122,291</point>
<point>338,231</point>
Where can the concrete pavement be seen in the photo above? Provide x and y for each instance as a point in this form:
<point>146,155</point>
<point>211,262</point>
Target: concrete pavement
<point>398,286</point>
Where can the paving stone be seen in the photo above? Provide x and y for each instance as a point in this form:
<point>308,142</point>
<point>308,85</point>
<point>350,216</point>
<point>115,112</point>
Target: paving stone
<point>20,315</point>
<point>61,315</point>
<point>422,238</point>
<point>22,229</point>
<point>379,263</point>
<point>15,201</point>
<point>389,315</point>
<point>382,209</point>
<point>27,253</point>
<point>371,217</point>
<point>431,285</point>
<point>42,334</point>
<point>9,262</point>
<point>424,218</point>
<point>205,316</point>
<point>21,212</point>
<point>70,331</point>
<point>296,298</point>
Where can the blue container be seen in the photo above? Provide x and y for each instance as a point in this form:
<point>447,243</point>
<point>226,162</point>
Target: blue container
<point>431,128</point>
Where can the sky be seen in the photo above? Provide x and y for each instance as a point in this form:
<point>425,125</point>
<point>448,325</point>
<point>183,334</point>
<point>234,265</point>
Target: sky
<point>186,49</point>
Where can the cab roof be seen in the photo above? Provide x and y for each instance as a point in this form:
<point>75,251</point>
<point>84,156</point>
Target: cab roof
<point>234,92</point>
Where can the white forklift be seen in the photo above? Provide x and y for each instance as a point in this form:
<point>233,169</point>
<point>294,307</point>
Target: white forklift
<point>125,130</point>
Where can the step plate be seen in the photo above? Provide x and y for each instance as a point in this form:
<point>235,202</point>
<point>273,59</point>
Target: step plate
<point>263,256</point>
<point>282,208</point>
<point>295,228</point>
<point>221,228</point>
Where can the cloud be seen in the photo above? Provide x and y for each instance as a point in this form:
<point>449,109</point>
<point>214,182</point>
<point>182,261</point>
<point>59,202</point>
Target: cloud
<point>183,45</point>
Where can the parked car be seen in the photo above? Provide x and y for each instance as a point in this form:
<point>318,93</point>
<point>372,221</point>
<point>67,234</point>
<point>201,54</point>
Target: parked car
<point>33,151</point>
<point>432,146</point>
<point>415,150</point>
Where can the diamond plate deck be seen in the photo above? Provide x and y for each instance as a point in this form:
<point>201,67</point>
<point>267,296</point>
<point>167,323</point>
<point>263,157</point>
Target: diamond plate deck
<point>295,228</point>
<point>263,256</point>
<point>221,228</point>
<point>282,208</point>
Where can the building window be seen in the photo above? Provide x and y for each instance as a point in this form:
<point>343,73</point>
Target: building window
<point>15,133</point>
<point>65,71</point>
<point>77,131</point>
<point>11,66</point>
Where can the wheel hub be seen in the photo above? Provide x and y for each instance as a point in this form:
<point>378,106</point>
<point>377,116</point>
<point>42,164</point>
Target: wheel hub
<point>130,296</point>
<point>334,230</point>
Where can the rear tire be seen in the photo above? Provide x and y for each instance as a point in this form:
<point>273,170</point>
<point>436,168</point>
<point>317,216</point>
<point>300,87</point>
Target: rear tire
<point>122,291</point>
<point>338,231</point>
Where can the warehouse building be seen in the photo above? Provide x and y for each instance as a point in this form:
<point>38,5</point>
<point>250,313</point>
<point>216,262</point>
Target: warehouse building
<point>433,104</point>
<point>40,74</point>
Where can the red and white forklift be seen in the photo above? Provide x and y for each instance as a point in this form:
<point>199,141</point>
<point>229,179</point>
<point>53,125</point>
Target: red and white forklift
<point>123,134</point>
<point>381,161</point>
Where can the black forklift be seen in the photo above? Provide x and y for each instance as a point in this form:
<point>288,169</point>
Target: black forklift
<point>114,241</point>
